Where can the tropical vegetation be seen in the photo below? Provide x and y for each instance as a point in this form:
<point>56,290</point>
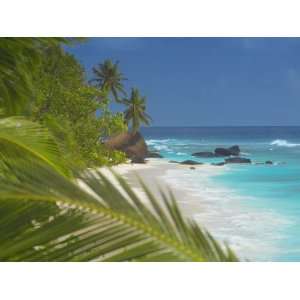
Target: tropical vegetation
<point>53,205</point>
<point>136,110</point>
<point>109,79</point>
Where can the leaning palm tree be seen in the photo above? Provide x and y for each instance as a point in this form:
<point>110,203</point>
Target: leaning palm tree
<point>136,111</point>
<point>48,214</point>
<point>109,79</point>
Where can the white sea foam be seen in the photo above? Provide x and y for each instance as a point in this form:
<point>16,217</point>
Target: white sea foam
<point>181,153</point>
<point>154,141</point>
<point>159,144</point>
<point>245,153</point>
<point>283,143</point>
<point>161,147</point>
<point>225,213</point>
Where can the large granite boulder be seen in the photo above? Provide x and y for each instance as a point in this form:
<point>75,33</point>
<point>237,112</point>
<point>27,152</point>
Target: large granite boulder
<point>204,154</point>
<point>234,150</point>
<point>237,160</point>
<point>137,160</point>
<point>219,152</point>
<point>133,144</point>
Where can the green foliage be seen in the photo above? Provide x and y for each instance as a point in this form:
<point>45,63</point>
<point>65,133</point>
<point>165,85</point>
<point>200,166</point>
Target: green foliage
<point>46,217</point>
<point>58,76</point>
<point>136,111</point>
<point>66,140</point>
<point>112,124</point>
<point>19,59</point>
<point>63,97</point>
<point>23,139</point>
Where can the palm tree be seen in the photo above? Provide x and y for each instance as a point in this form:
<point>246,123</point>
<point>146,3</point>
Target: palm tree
<point>135,112</point>
<point>50,214</point>
<point>109,79</point>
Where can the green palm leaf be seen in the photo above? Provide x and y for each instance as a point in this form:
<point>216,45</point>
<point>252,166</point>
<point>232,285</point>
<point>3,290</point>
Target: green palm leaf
<point>22,138</point>
<point>19,58</point>
<point>109,78</point>
<point>45,216</point>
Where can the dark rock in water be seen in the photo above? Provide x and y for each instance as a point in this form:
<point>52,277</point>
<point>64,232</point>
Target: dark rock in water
<point>234,150</point>
<point>133,144</point>
<point>137,160</point>
<point>218,164</point>
<point>237,160</point>
<point>152,154</point>
<point>222,152</point>
<point>190,162</point>
<point>219,152</point>
<point>192,168</point>
<point>269,162</point>
<point>204,154</point>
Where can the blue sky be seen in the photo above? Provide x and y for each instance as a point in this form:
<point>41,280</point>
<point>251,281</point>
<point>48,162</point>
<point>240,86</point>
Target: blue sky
<point>207,81</point>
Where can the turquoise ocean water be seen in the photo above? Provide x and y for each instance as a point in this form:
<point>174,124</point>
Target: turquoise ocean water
<point>255,208</point>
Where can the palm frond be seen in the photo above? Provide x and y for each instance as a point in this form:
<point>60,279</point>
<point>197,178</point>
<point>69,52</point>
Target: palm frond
<point>19,58</point>
<point>108,76</point>
<point>46,217</point>
<point>135,112</point>
<point>23,138</point>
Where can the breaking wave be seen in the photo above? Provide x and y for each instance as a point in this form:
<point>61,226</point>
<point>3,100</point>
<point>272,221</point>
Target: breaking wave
<point>283,143</point>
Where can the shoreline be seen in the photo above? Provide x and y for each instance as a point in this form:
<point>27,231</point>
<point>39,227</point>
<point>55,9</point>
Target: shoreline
<point>225,214</point>
<point>154,174</point>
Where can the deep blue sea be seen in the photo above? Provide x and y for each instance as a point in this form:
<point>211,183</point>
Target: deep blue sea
<point>255,208</point>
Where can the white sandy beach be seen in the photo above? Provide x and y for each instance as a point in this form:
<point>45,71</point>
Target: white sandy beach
<point>215,207</point>
<point>155,175</point>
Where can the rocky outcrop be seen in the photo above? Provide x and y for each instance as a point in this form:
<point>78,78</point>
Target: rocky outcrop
<point>204,154</point>
<point>152,154</point>
<point>234,151</point>
<point>222,152</point>
<point>219,152</point>
<point>267,162</point>
<point>190,162</point>
<point>218,164</point>
<point>137,160</point>
<point>237,160</point>
<point>133,144</point>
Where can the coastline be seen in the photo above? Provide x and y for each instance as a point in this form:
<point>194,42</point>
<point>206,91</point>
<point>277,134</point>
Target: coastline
<point>155,174</point>
<point>159,174</point>
<point>225,214</point>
